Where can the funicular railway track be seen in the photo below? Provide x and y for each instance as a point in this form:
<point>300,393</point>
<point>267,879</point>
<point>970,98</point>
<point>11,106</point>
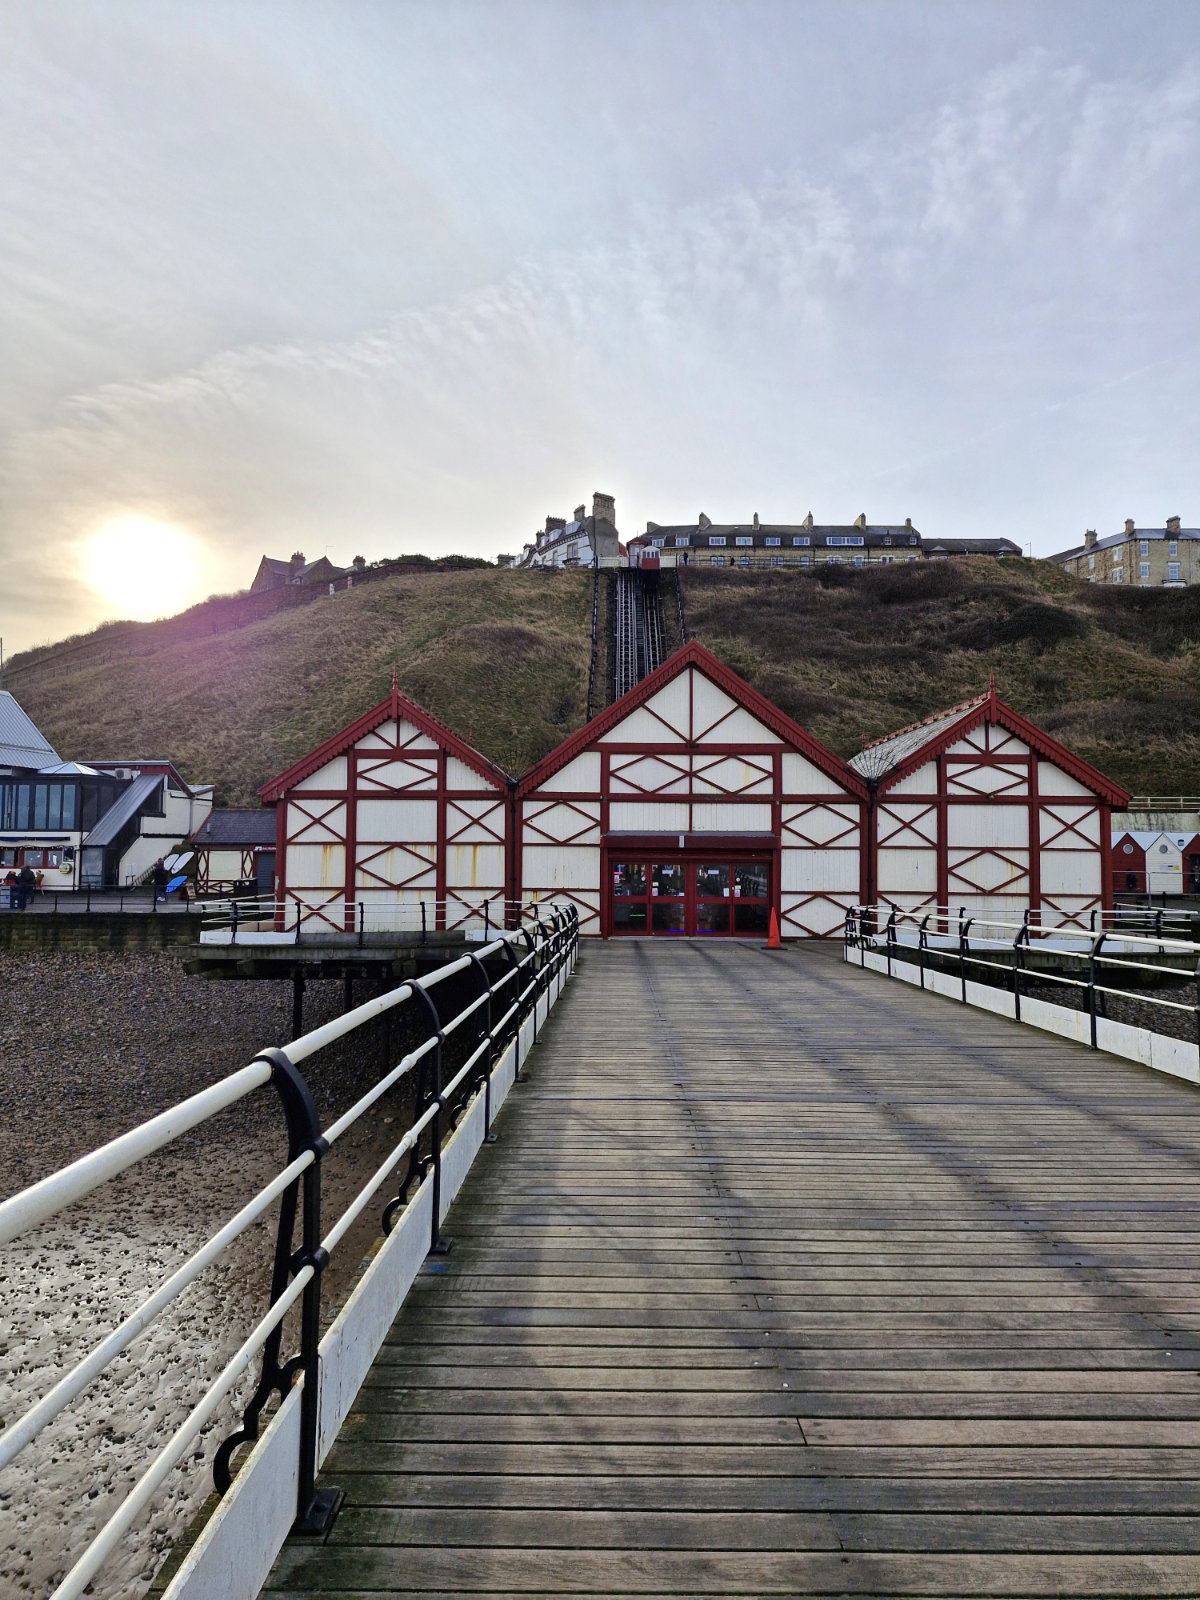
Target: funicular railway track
<point>639,630</point>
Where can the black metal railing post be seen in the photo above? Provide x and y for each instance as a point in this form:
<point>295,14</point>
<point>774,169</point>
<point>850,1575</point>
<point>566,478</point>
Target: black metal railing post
<point>964,930</point>
<point>923,945</point>
<point>423,927</point>
<point>484,1031</point>
<point>362,915</point>
<point>1092,954</point>
<point>233,921</point>
<point>890,938</point>
<point>437,1244</point>
<point>315,1507</point>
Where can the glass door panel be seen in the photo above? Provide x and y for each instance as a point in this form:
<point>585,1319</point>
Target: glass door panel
<point>668,909</point>
<point>629,897</point>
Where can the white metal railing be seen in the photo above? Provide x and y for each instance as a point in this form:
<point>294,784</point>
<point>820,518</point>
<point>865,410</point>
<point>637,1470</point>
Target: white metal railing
<point>1010,952</point>
<point>277,921</point>
<point>514,974</point>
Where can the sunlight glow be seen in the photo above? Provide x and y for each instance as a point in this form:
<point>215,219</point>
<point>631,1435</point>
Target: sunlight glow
<point>144,567</point>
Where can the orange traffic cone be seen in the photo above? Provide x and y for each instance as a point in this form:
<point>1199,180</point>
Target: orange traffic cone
<point>773,941</point>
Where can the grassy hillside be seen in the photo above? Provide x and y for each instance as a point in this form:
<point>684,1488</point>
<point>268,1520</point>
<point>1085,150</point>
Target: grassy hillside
<point>503,658</point>
<point>1113,673</point>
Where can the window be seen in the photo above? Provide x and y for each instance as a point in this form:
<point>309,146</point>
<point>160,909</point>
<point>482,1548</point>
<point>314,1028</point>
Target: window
<point>804,560</point>
<point>858,561</point>
<point>887,538</point>
<point>1117,574</point>
<point>682,538</point>
<point>744,538</point>
<point>1173,547</point>
<point>844,538</point>
<point>773,540</point>
<point>912,538</point>
<point>716,538</point>
<point>776,561</point>
<point>658,543</point>
<point>832,561</point>
<point>743,561</point>
<point>1091,563</point>
<point>716,561</point>
<point>1143,570</point>
<point>1143,547</point>
<point>799,538</point>
<point>1172,572</point>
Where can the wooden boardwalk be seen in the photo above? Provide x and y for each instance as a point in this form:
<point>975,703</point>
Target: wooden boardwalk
<point>784,1279</point>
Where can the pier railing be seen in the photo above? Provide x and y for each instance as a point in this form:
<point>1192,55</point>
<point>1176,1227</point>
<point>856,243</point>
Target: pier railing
<point>517,976</point>
<point>264,920</point>
<point>1133,975</point>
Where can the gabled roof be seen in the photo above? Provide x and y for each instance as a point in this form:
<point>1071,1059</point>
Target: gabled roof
<point>237,827</point>
<point>395,707</point>
<point>694,655</point>
<point>21,745</point>
<point>890,760</point>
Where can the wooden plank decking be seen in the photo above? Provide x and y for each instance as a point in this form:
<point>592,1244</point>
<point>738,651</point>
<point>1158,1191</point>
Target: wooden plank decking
<point>784,1279</point>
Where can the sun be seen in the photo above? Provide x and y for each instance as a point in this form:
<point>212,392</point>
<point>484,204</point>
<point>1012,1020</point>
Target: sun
<point>143,566</point>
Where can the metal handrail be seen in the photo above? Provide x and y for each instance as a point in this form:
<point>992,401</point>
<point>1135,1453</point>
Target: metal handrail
<point>862,930</point>
<point>352,918</point>
<point>531,958</point>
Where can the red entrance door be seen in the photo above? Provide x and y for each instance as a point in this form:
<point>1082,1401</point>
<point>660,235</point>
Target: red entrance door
<point>727,899</point>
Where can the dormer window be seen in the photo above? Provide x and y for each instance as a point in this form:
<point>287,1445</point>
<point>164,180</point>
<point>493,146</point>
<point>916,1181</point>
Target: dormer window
<point>799,538</point>
<point>744,538</point>
<point>716,538</point>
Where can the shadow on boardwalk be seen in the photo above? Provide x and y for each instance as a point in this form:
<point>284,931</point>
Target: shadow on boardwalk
<point>786,1280</point>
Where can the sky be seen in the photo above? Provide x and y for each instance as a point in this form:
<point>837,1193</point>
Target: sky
<point>368,279</point>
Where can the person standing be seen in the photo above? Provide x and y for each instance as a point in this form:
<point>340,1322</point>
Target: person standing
<point>26,887</point>
<point>159,879</point>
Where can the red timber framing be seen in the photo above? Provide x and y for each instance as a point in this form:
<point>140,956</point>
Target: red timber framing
<point>690,781</point>
<point>991,813</point>
<point>394,810</point>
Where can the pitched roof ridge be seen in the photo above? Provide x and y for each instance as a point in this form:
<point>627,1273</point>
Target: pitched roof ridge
<point>925,722</point>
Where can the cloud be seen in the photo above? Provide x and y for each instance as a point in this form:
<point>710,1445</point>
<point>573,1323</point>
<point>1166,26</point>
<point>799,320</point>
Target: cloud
<point>938,306</point>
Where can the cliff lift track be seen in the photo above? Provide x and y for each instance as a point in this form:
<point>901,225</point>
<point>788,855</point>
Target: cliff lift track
<point>639,630</point>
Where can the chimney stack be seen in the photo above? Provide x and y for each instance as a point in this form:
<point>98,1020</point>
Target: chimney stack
<point>704,522</point>
<point>1089,539</point>
<point>580,513</point>
<point>1172,524</point>
<point>808,521</point>
<point>860,520</point>
<point>756,519</point>
<point>604,508</point>
<point>1128,525</point>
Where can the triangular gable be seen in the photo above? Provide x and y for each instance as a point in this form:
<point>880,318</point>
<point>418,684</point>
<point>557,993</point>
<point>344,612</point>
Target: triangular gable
<point>395,708</point>
<point>992,709</point>
<point>657,710</point>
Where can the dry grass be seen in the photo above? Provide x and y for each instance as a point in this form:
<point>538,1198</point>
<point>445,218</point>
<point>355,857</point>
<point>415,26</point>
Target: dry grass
<point>1115,675</point>
<point>503,658</point>
<point>500,656</point>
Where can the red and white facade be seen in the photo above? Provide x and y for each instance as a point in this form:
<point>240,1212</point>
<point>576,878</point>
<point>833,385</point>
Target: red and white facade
<point>979,808</point>
<point>393,811</point>
<point>692,806</point>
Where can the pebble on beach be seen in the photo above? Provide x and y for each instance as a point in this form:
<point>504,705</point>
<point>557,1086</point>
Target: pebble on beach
<point>93,1044</point>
